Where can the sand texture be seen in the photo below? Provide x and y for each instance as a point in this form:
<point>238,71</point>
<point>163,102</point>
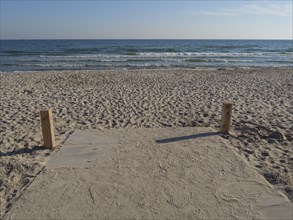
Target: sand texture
<point>262,114</point>
<point>149,173</point>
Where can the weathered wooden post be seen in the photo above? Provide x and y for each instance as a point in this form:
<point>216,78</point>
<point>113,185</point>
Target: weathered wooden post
<point>226,117</point>
<point>47,128</point>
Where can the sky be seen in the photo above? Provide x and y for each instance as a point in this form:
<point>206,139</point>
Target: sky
<point>143,19</point>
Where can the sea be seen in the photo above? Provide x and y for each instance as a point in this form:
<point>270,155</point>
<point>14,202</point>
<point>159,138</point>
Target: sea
<point>39,55</point>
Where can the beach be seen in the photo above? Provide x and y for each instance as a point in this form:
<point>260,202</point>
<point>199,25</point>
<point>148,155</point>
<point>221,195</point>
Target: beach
<point>262,120</point>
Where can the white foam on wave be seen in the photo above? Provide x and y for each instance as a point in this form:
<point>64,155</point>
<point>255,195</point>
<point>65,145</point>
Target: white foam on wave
<point>197,54</point>
<point>83,56</point>
<point>232,61</point>
<point>52,65</point>
<point>154,55</point>
<point>148,65</point>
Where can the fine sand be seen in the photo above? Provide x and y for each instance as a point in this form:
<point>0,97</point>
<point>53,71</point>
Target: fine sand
<point>262,114</point>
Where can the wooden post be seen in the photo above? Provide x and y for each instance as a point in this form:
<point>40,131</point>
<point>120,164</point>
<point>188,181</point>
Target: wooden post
<point>47,128</point>
<point>226,117</point>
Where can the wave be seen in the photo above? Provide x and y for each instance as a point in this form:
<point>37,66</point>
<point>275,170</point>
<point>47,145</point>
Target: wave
<point>196,60</point>
<point>18,53</point>
<point>280,61</point>
<point>218,61</point>
<point>289,50</point>
<point>61,60</point>
<point>51,65</point>
<point>132,50</point>
<point>130,53</point>
<point>159,50</point>
<point>90,62</point>
<point>90,49</point>
<point>160,54</point>
<point>72,56</point>
<point>143,60</point>
<point>148,65</point>
<point>229,46</point>
<point>198,54</point>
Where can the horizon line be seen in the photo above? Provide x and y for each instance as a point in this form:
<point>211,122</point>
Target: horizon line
<point>147,39</point>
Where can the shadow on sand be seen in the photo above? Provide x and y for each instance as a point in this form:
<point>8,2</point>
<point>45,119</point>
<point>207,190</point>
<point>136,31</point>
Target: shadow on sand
<point>22,151</point>
<point>182,138</point>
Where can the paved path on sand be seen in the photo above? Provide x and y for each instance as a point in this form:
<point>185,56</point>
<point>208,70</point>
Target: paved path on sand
<point>149,174</point>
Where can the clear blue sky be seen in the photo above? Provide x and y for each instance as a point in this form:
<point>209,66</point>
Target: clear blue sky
<point>232,19</point>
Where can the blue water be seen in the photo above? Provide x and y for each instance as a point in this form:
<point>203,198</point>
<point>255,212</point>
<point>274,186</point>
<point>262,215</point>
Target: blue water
<point>26,55</point>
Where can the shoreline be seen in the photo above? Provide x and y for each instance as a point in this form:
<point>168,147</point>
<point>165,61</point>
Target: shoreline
<point>156,69</point>
<point>104,99</point>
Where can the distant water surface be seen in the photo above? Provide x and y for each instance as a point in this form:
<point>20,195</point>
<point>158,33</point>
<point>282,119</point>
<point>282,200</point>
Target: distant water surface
<point>26,55</point>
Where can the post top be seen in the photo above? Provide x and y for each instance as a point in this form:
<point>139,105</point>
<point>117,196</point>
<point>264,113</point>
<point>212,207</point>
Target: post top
<point>46,110</point>
<point>227,103</point>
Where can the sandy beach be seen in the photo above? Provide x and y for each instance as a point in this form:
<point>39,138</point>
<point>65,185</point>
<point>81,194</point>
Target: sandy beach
<point>262,122</point>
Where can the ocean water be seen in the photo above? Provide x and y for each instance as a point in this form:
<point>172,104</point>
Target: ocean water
<point>27,55</point>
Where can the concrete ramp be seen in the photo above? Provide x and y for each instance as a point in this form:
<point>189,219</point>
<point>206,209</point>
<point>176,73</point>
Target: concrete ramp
<point>164,173</point>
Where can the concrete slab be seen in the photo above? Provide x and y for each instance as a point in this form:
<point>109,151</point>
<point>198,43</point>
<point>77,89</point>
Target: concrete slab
<point>81,149</point>
<point>177,173</point>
